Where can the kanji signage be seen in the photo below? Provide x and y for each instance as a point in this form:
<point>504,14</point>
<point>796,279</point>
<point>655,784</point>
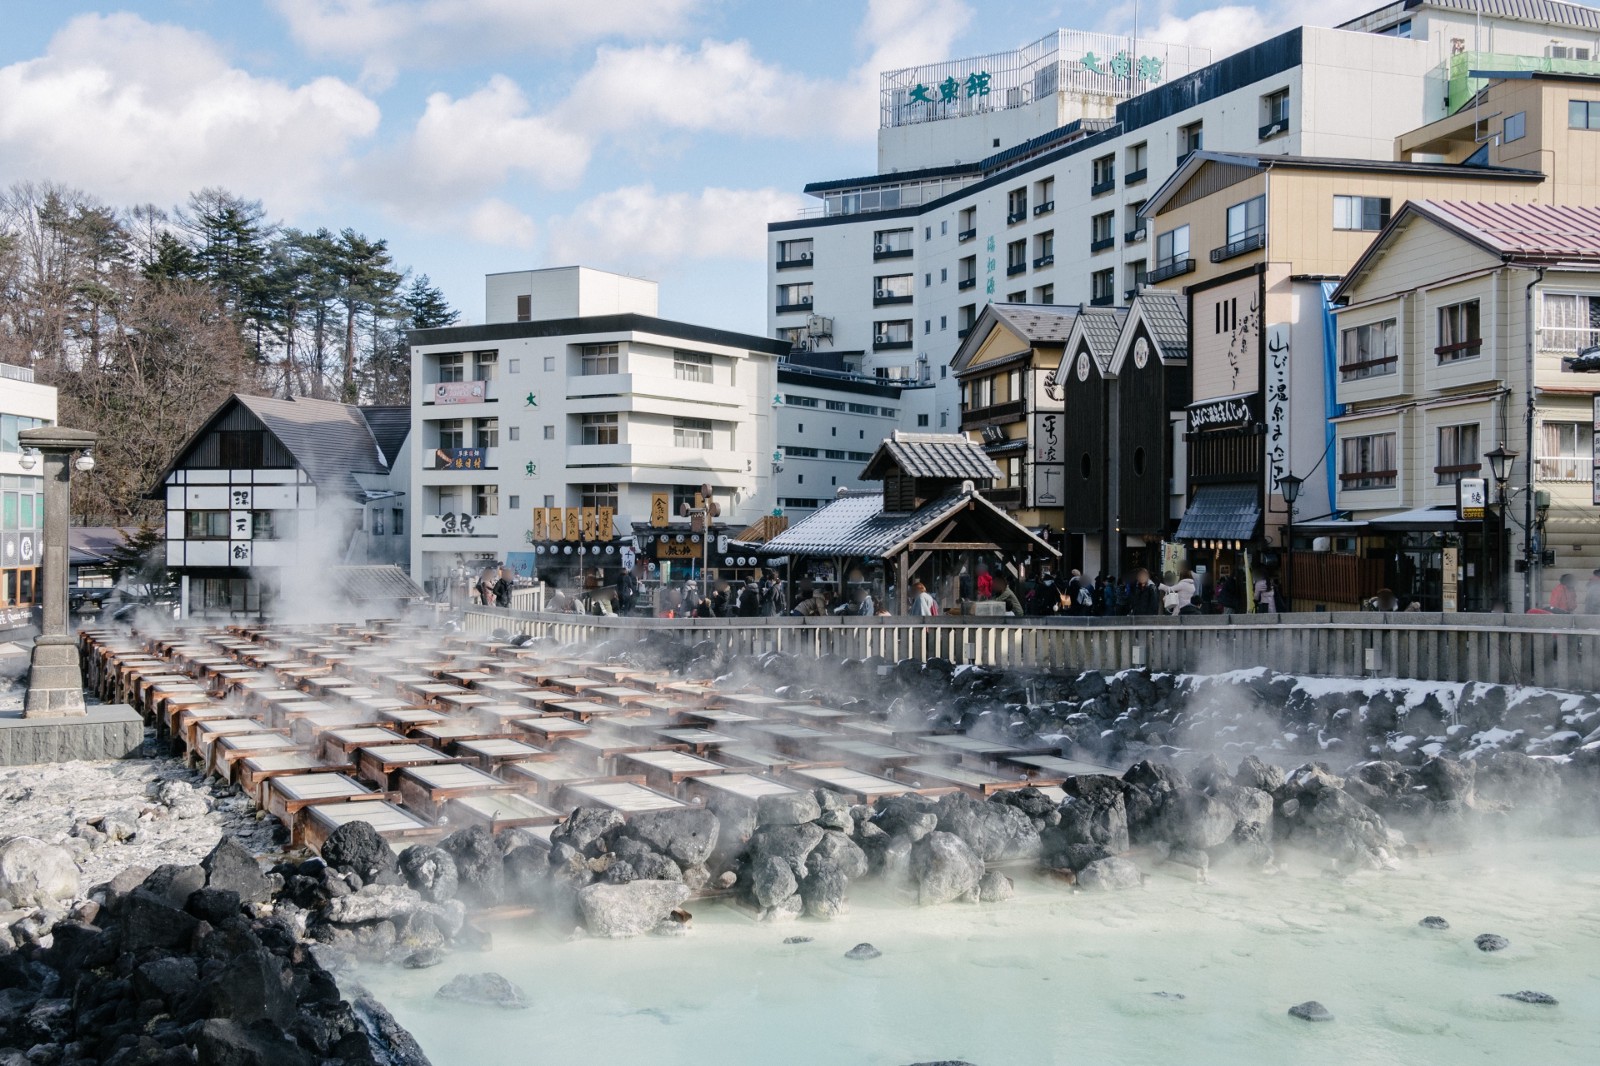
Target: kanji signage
<point>458,459</point>
<point>1124,66</point>
<point>1472,498</point>
<point>458,392</point>
<point>1277,403</point>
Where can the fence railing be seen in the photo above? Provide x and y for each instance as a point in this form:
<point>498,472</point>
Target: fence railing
<point>1551,650</point>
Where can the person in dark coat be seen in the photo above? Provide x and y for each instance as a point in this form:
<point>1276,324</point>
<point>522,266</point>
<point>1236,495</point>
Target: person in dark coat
<point>1143,598</point>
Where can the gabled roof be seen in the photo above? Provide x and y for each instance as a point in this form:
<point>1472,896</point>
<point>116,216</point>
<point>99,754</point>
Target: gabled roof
<point>1046,325</point>
<point>390,426</point>
<point>1537,234</point>
<point>949,456</point>
<point>1100,327</point>
<point>856,525</point>
<point>376,584</point>
<point>1162,315</point>
<point>1538,11</point>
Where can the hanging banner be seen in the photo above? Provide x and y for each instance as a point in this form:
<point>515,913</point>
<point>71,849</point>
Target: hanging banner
<point>458,392</point>
<point>541,526</point>
<point>574,523</point>
<point>1277,403</point>
<point>604,523</point>
<point>660,510</point>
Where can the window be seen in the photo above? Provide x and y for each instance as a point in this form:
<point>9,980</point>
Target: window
<point>599,359</point>
<point>791,451</point>
<point>1136,225</point>
<point>922,421</point>
<point>1104,175</point>
<point>524,308</point>
<point>1369,462</point>
<point>1102,231</point>
<point>892,242</point>
<point>1044,294</point>
<point>692,433</point>
<point>1514,128</point>
<point>1568,322</point>
<point>794,297</point>
<point>1044,194</point>
<point>1018,297</point>
<point>1275,113</point>
<point>513,432</point>
<point>692,366</point>
<point>1138,163</point>
<point>486,432</point>
<point>1566,451</point>
<point>600,428</point>
<point>944,227</point>
<point>927,326</point>
<point>1017,205</point>
<point>1016,257</point>
<point>1044,248</point>
<point>944,323</point>
<point>927,280</point>
<point>206,525</point>
<point>549,432</point>
<point>514,503</point>
<point>892,287</point>
<point>944,419</point>
<point>397,521</point>
<point>896,332</point>
<point>1103,284</point>
<point>513,366</point>
<point>549,502</point>
<point>966,315</point>
<point>1369,351</point>
<point>967,272</point>
<point>549,363</point>
<point>798,251</point>
<point>451,366</point>
<point>485,500</point>
<point>811,401</point>
<point>968,224</point>
<point>1191,138</point>
<point>1172,247</point>
<point>1458,453</point>
<point>484,365</point>
<point>598,496</point>
<point>1360,212</point>
<point>1459,337</point>
<point>453,433</point>
<point>944,275</point>
<point>1135,273</point>
<point>377,521</point>
<point>835,405</point>
<point>1247,220</point>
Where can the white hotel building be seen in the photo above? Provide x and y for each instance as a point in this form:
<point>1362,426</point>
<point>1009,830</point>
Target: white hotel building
<point>1019,176</point>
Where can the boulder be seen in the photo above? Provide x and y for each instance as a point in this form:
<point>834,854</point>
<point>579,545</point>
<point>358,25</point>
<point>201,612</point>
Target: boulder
<point>1433,921</point>
<point>995,887</point>
<point>230,866</point>
<point>373,903</point>
<point>1253,773</point>
<point>686,836</point>
<point>214,905</point>
<point>1513,780</point>
<point>835,810</point>
<point>1110,874</point>
<point>789,808</point>
<point>120,824</point>
<point>250,987</point>
<point>224,1042</point>
<point>1447,780</point>
<point>792,843</point>
<point>357,847</point>
<point>484,989</point>
<point>772,881</point>
<point>912,817</point>
<point>944,868</point>
<point>182,800</point>
<point>995,831</point>
<point>171,980</point>
<point>1491,942</point>
<point>1248,806</point>
<point>863,951</point>
<point>643,861</point>
<point>840,850</point>
<point>631,909</point>
<point>1310,1011</point>
<point>174,883</point>
<point>1191,819</point>
<point>824,888</point>
<point>1334,823</point>
<point>480,868</point>
<point>1539,999</point>
<point>36,874</point>
<point>585,828</point>
<point>431,872</point>
<point>149,921</point>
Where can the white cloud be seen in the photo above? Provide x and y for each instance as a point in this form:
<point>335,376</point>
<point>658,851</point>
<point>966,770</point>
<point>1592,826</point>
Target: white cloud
<point>387,35</point>
<point>498,223</point>
<point>638,226</point>
<point>1231,27</point>
<point>135,111</point>
<point>475,142</point>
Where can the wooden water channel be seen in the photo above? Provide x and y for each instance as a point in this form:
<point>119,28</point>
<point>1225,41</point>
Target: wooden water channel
<point>421,734</point>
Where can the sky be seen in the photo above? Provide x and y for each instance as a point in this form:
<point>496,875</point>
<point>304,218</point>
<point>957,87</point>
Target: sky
<point>650,137</point>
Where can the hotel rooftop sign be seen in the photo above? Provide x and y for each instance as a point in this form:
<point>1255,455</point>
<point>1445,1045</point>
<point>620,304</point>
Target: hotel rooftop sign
<point>1064,61</point>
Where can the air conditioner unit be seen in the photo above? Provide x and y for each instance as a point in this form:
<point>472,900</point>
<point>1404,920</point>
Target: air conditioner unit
<point>883,294</point>
<point>880,248</point>
<point>805,256</point>
<point>882,338</point>
<point>805,301</point>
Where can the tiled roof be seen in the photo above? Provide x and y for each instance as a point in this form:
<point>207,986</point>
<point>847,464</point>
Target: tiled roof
<point>931,455</point>
<point>1534,231</point>
<point>855,525</point>
<point>390,426</point>
<point>376,584</point>
<point>1522,10</point>
<point>1164,318</point>
<point>1037,323</point>
<point>331,441</point>
<point>1102,326</point>
<point>1221,512</point>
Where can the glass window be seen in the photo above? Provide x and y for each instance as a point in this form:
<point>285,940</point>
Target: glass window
<point>599,428</point>
<point>9,429</point>
<point>1458,453</point>
<point>1514,128</point>
<point>1369,462</point>
<point>452,366</point>
<point>1045,192</point>
<point>1568,322</point>
<point>1583,114</point>
<point>485,500</point>
<point>484,365</point>
<point>279,525</point>
<point>1566,451</point>
<point>1044,294</point>
<point>486,432</point>
<point>206,525</point>
<point>600,359</point>
<point>1103,226</point>
<point>1369,351</point>
<point>1275,108</point>
<point>891,240</point>
<point>1016,255</point>
<point>514,432</point>
<point>1172,246</point>
<point>1017,204</point>
<point>692,433</point>
<point>549,432</point>
<point>692,366</point>
<point>796,400</point>
<point>1138,159</point>
<point>1247,219</point>
<point>892,286</point>
<point>397,521</point>
<point>8,511</point>
<point>797,251</point>
<point>598,496</point>
<point>1360,212</point>
<point>452,433</point>
<point>1105,170</point>
<point>1459,336</point>
<point>1104,283</point>
<point>1191,138</point>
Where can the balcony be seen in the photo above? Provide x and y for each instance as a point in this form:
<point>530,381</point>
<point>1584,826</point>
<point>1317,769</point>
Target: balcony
<point>1134,236</point>
<point>1103,301</point>
<point>1274,129</point>
<point>1101,244</point>
<point>1099,188</point>
<point>886,297</point>
<point>1134,177</point>
<point>1564,468</point>
<point>1248,243</point>
<point>1044,261</point>
<point>886,342</point>
<point>791,264</point>
<point>997,414</point>
<point>883,251</point>
<point>967,283</point>
<point>966,235</point>
<point>1044,208</point>
<point>1017,216</point>
<point>1016,268</point>
<point>804,306</point>
<point>1172,269</point>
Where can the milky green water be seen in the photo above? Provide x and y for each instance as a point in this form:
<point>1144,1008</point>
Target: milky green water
<point>1059,976</point>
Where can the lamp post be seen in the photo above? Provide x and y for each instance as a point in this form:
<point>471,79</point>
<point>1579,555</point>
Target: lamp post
<point>55,682</point>
<point>1289,486</point>
<point>1501,461</point>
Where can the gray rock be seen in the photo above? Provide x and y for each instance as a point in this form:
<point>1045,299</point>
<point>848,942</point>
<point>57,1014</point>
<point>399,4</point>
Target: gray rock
<point>863,951</point>
<point>224,1042</point>
<point>358,848</point>
<point>798,939</point>
<point>480,868</point>
<point>1192,819</point>
<point>995,887</point>
<point>231,867</point>
<point>631,909</point>
<point>944,868</point>
<point>484,989</point>
<point>120,824</point>
<point>686,836</point>
<point>1249,807</point>
<point>585,826</point>
<point>835,810</point>
<point>373,903</point>
<point>422,960</point>
<point>785,910</point>
<point>36,874</point>
<point>840,850</point>
<point>772,880</point>
<point>911,817</point>
<point>1491,942</point>
<point>1110,874</point>
<point>645,863</point>
<point>1433,921</point>
<point>1310,1011</point>
<point>430,872</point>
<point>1541,999</point>
<point>794,808</point>
<point>1448,780</point>
<point>182,800</point>
<point>996,831</point>
<point>1199,860</point>
<point>823,891</point>
<point>1253,773</point>
<point>791,843</point>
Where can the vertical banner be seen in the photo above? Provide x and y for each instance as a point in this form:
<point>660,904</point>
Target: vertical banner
<point>604,517</point>
<point>1277,405</point>
<point>541,527</point>
<point>660,510</point>
<point>1447,579</point>
<point>1595,499</point>
<point>588,523</point>
<point>574,524</point>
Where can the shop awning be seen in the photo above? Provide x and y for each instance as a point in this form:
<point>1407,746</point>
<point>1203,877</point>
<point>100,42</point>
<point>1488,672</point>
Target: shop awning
<point>1221,512</point>
<point>1420,520</point>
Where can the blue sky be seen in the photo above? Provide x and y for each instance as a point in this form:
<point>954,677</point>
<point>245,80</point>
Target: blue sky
<point>653,137</point>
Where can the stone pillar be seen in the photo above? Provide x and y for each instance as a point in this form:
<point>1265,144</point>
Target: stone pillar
<point>55,682</point>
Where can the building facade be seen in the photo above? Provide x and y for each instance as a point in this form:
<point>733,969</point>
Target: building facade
<point>24,404</point>
<point>898,264</point>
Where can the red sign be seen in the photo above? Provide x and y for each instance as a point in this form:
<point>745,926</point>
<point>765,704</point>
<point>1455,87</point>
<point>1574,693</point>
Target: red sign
<point>459,391</point>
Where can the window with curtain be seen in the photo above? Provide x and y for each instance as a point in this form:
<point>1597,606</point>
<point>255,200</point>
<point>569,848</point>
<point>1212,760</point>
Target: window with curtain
<point>1566,451</point>
<point>1458,453</point>
<point>1459,335</point>
<point>1369,350</point>
<point>1568,322</point>
<point>1368,462</point>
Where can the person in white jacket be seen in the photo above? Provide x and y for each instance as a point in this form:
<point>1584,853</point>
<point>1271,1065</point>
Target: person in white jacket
<point>1176,592</point>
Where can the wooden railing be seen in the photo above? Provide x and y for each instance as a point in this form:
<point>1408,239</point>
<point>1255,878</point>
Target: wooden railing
<point>1557,651</point>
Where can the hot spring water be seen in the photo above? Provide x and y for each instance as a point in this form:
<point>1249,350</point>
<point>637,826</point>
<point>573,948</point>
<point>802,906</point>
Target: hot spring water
<point>1175,972</point>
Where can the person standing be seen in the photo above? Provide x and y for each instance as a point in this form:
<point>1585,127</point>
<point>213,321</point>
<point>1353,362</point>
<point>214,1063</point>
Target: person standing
<point>1144,599</point>
<point>859,603</point>
<point>1564,597</point>
<point>923,604</point>
<point>1591,594</point>
<point>985,582</point>
<point>1004,595</point>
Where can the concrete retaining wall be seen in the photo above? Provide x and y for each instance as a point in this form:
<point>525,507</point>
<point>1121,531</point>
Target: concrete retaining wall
<point>106,731</point>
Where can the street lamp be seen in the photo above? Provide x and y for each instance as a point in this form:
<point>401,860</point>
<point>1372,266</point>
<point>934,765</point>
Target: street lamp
<point>1501,460</point>
<point>1289,486</point>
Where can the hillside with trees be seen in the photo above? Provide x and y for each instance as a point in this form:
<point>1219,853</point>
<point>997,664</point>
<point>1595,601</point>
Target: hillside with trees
<point>146,319</point>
